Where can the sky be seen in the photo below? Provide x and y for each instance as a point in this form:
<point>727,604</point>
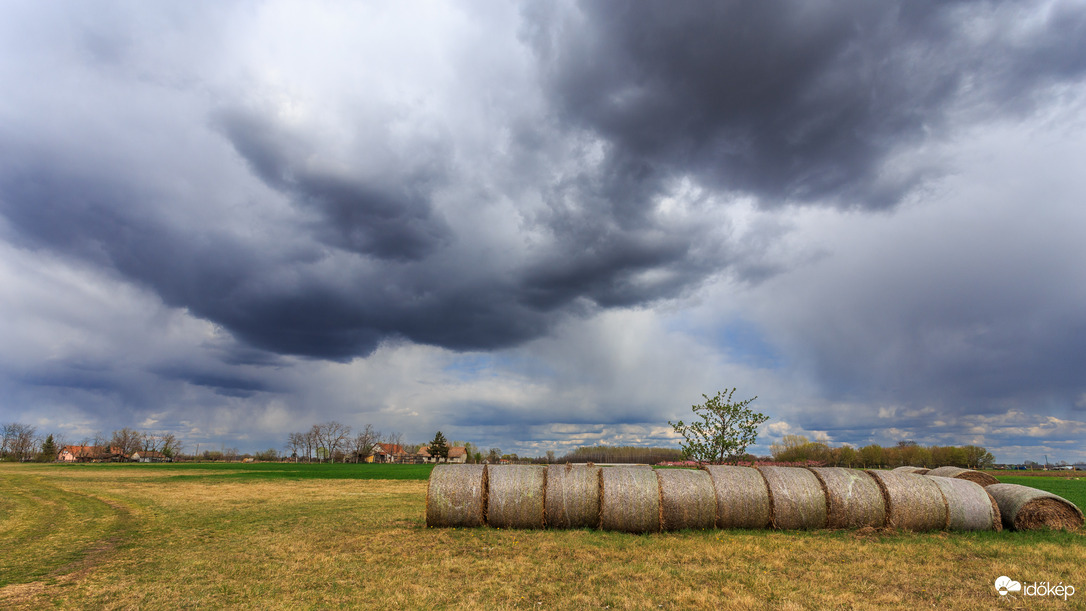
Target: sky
<point>542,225</point>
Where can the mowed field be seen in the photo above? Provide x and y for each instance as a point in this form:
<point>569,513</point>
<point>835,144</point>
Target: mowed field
<point>279,536</point>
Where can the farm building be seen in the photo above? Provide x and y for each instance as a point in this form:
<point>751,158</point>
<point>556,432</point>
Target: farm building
<point>81,454</point>
<point>458,454</point>
<point>91,454</point>
<point>388,452</point>
<point>150,456</point>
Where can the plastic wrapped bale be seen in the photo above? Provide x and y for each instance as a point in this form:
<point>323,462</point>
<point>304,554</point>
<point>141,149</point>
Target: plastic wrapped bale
<point>456,496</point>
<point>687,499</point>
<point>1025,508</point>
<point>796,498</point>
<point>916,470</point>
<point>515,496</point>
<point>968,505</point>
<point>629,500</point>
<point>853,499</point>
<point>913,502</point>
<point>967,474</point>
<point>742,497</point>
<point>572,498</point>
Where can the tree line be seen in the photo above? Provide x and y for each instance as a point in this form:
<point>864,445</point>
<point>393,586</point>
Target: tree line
<point>21,443</point>
<point>797,448</point>
<point>332,441</point>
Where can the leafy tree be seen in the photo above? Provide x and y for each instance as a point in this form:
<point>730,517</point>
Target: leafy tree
<point>48,450</point>
<point>439,448</point>
<point>978,457</point>
<point>871,455</point>
<point>725,429</point>
<point>845,456</point>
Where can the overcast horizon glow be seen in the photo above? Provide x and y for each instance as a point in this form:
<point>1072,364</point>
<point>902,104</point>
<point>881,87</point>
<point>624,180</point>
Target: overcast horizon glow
<point>540,225</point>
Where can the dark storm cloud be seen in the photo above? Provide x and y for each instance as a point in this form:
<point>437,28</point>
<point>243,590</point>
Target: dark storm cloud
<point>793,100</point>
<point>217,380</point>
<point>224,196</point>
<point>392,221</point>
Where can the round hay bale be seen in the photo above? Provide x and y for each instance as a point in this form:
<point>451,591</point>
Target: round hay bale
<point>629,500</point>
<point>456,496</point>
<point>968,505</point>
<point>515,496</point>
<point>967,474</point>
<point>1025,508</point>
<point>853,499</point>
<point>687,499</point>
<point>913,502</point>
<point>796,498</point>
<point>742,497</point>
<point>572,498</point>
<point>916,470</point>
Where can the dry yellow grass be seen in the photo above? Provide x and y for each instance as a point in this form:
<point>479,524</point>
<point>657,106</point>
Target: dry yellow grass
<point>357,543</point>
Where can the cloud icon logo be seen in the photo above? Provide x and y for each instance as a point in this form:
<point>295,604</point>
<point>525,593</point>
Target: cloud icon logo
<point>1005,584</point>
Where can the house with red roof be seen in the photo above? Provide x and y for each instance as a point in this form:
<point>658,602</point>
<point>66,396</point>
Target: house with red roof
<point>388,452</point>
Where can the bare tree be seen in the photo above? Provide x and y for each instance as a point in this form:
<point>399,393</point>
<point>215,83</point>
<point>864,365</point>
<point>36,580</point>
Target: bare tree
<point>151,442</point>
<point>169,445</point>
<point>19,441</point>
<point>309,440</point>
<point>296,444</point>
<point>316,434</point>
<point>363,443</point>
<point>394,438</point>
<point>333,437</point>
<point>6,438</point>
<point>127,441</point>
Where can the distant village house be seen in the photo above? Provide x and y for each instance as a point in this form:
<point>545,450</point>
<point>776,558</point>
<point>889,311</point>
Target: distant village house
<point>458,454</point>
<point>108,454</point>
<point>149,456</point>
<point>388,453</point>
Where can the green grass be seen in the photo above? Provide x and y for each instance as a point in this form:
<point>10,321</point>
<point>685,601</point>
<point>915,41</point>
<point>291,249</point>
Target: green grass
<point>260,471</point>
<point>46,529</point>
<point>1072,489</point>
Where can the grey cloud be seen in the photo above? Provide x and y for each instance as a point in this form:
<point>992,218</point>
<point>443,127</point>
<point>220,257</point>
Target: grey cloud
<point>391,219</point>
<point>483,199</point>
<point>792,100</point>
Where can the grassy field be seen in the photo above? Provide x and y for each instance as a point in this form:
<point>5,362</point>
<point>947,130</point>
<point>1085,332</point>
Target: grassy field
<point>348,536</point>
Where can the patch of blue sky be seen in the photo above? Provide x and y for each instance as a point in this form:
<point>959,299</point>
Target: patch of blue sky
<point>744,342</point>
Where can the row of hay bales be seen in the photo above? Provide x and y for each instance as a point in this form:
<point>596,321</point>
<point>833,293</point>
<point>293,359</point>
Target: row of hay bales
<point>1021,507</point>
<point>648,500</point>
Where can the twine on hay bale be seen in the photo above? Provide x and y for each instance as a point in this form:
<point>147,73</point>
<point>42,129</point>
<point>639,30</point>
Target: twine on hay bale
<point>913,502</point>
<point>629,500</point>
<point>853,499</point>
<point>456,496</point>
<point>687,499</point>
<point>572,498</point>
<point>797,500</point>
<point>742,496</point>
<point>968,505</point>
<point>916,470</point>
<point>967,474</point>
<point>515,496</point>
<point>1025,508</point>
